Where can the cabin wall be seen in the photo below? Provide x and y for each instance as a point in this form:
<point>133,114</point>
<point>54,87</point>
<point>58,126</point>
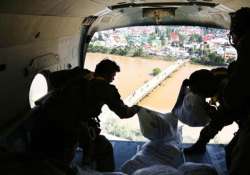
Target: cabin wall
<point>28,45</point>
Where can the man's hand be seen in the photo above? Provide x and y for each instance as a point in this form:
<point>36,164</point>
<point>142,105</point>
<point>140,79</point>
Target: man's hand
<point>185,82</point>
<point>136,108</point>
<point>195,149</point>
<point>133,110</point>
<point>211,110</point>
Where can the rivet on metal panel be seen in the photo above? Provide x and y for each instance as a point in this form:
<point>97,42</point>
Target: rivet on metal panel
<point>37,35</point>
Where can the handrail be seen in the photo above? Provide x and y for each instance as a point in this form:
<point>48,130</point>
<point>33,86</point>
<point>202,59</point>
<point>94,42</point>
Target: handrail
<point>162,4</point>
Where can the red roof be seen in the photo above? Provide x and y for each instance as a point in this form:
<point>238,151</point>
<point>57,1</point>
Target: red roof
<point>174,37</point>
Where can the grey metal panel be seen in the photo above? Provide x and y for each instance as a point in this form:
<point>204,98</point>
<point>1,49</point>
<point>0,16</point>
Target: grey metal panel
<point>76,8</point>
<point>83,8</point>
<point>14,89</point>
<point>24,29</point>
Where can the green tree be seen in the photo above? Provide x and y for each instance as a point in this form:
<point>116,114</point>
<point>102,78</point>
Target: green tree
<point>156,71</point>
<point>157,31</point>
<point>210,59</point>
<point>163,39</point>
<point>195,38</point>
<point>138,52</point>
<point>168,30</point>
<point>182,37</point>
<point>100,37</point>
<point>215,59</point>
<point>151,37</point>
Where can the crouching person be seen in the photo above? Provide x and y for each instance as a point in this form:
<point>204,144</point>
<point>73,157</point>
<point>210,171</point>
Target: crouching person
<point>70,116</point>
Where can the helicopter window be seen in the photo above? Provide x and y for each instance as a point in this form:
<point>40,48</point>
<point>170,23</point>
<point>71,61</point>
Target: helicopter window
<point>38,88</point>
<point>143,53</point>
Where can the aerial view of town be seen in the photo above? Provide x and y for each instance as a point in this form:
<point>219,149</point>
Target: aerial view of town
<point>143,53</point>
<point>176,42</point>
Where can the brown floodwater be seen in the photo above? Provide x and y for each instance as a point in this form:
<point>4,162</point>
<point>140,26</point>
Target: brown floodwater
<point>164,96</point>
<point>134,71</point>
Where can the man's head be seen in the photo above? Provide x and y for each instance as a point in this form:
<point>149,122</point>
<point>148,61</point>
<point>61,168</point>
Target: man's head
<point>220,73</point>
<point>203,82</point>
<point>107,69</point>
<point>239,25</point>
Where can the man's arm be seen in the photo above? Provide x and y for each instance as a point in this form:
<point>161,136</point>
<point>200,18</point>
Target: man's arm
<point>116,104</point>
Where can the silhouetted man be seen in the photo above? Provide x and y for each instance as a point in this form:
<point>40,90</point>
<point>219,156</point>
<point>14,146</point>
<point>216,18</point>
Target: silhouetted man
<point>234,100</point>
<point>70,116</point>
<point>96,147</point>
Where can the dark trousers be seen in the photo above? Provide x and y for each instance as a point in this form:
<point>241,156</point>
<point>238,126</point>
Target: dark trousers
<point>53,143</point>
<point>98,151</point>
<point>241,152</point>
<point>229,149</point>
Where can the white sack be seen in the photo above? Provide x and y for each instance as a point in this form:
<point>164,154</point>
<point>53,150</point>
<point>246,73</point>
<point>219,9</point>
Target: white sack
<point>139,161</point>
<point>190,168</point>
<point>113,173</point>
<point>157,170</point>
<point>155,153</point>
<point>164,147</point>
<point>88,171</point>
<point>192,111</point>
<point>155,125</point>
<point>164,152</point>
